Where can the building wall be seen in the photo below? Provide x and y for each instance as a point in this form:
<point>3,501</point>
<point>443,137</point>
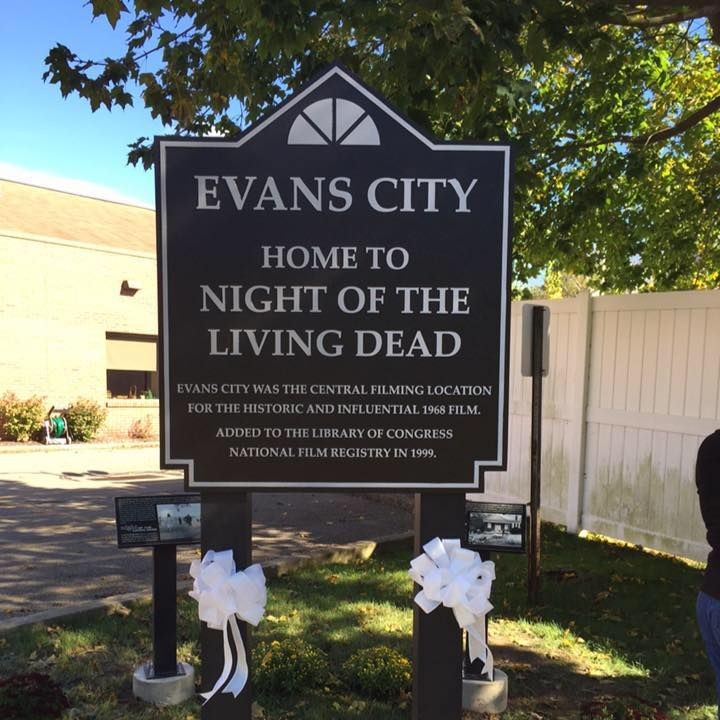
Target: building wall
<point>58,299</point>
<point>132,418</point>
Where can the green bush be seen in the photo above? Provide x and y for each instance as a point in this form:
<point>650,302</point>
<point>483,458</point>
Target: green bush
<point>84,418</point>
<point>20,419</point>
<point>31,697</point>
<point>288,667</point>
<point>378,672</point>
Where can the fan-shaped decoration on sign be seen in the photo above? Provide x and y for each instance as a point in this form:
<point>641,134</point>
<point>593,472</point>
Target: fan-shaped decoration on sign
<point>333,121</point>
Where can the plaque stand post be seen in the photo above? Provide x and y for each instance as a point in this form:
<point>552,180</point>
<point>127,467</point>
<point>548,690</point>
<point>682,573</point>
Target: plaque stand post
<point>164,611</point>
<point>226,520</point>
<point>164,681</point>
<point>538,339</point>
<point>475,669</point>
<point>437,639</point>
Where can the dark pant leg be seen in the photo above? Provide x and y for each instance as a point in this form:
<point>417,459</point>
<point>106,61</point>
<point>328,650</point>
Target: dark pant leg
<point>708,617</point>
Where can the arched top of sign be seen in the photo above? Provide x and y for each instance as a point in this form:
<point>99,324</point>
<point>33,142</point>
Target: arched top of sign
<point>333,121</point>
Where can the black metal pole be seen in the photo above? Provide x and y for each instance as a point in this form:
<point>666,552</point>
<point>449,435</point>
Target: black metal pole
<point>226,521</point>
<point>437,639</point>
<point>164,611</point>
<point>538,335</point>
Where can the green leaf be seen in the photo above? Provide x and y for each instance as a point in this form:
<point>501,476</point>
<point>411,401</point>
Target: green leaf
<point>565,84</point>
<point>110,9</point>
<point>535,46</point>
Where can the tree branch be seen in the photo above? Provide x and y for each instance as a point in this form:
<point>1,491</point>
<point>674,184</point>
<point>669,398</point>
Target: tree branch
<point>665,5</point>
<point>638,21</point>
<point>658,13</point>
<point>644,140</point>
<point>681,126</point>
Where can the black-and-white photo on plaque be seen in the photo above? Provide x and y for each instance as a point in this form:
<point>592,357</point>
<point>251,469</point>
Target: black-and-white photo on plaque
<point>145,520</point>
<point>179,520</point>
<point>334,300</point>
<point>496,527</point>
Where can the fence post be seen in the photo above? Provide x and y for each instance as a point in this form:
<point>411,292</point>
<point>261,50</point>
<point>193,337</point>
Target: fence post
<point>578,427</point>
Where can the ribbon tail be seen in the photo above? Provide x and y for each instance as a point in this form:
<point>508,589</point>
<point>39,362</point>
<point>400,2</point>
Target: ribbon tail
<point>478,648</point>
<point>240,676</point>
<point>490,665</point>
<point>227,667</point>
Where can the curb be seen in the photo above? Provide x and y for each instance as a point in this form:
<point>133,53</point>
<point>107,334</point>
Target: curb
<point>342,554</point>
<point>10,448</point>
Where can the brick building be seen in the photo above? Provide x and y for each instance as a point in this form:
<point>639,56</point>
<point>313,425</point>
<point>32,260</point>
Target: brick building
<point>78,302</point>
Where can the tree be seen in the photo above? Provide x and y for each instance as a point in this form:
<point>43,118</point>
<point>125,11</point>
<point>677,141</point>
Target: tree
<point>611,106</point>
<point>556,284</point>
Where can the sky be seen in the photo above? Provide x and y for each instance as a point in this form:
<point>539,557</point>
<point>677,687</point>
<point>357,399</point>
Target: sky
<point>45,138</point>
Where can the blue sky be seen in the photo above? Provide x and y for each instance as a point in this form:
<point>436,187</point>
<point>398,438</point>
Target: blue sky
<point>39,131</point>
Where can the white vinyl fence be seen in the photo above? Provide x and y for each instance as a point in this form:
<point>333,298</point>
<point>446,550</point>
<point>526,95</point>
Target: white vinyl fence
<point>633,388</point>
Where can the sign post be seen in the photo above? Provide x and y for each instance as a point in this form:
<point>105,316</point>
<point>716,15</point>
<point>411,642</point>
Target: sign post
<point>437,639</point>
<point>334,309</point>
<point>535,363</point>
<point>226,525</point>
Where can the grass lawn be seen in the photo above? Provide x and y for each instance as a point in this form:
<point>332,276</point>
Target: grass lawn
<point>614,623</point>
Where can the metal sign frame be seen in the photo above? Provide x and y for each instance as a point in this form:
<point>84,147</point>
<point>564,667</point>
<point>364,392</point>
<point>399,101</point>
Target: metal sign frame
<point>370,472</point>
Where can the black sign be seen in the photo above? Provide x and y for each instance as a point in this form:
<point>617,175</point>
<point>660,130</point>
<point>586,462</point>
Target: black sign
<point>157,520</point>
<point>334,300</point>
<point>498,527</point>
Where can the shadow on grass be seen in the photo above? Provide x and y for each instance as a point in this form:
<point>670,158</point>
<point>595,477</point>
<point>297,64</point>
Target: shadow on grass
<point>612,621</point>
<point>631,607</point>
<point>559,687</point>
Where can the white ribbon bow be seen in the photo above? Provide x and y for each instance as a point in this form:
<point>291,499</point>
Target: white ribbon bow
<point>457,578</point>
<point>224,595</point>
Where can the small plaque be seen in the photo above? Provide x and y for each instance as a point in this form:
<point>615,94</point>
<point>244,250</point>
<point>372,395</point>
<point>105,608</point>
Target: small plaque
<point>496,527</point>
<point>148,520</point>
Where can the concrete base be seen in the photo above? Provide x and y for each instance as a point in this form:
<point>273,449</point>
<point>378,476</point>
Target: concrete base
<point>164,691</point>
<point>485,696</point>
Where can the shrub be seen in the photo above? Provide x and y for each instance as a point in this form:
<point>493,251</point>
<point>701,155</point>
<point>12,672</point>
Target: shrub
<point>31,697</point>
<point>288,667</point>
<point>141,429</point>
<point>378,672</point>
<point>20,419</point>
<point>85,417</point>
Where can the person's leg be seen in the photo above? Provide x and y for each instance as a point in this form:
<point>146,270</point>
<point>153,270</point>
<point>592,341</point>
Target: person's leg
<point>708,617</point>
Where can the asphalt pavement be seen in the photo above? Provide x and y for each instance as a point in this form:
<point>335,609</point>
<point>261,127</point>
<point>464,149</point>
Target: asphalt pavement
<point>58,547</point>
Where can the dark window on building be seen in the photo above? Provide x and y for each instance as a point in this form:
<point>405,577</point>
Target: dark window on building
<point>131,365</point>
